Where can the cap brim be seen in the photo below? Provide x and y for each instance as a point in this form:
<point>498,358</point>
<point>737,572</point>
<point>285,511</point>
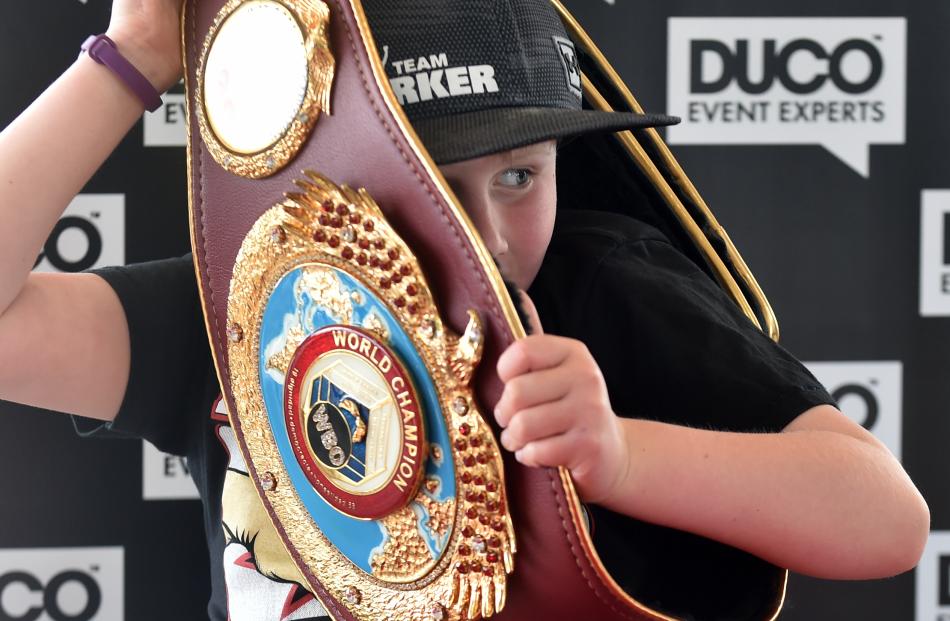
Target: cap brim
<point>458,137</point>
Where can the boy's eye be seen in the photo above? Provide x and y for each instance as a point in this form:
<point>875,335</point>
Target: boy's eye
<point>515,178</point>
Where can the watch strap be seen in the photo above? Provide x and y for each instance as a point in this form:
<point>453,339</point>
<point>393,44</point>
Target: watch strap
<point>104,51</point>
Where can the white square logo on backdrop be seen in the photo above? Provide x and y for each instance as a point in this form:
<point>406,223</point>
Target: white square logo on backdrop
<point>62,584</point>
<point>838,82</point>
<point>167,126</point>
<point>90,233</point>
<point>932,578</point>
<point>164,476</point>
<point>935,253</point>
<point>869,393</point>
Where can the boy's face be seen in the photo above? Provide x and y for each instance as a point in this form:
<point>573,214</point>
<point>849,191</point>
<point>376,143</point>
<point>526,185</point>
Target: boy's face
<point>511,198</point>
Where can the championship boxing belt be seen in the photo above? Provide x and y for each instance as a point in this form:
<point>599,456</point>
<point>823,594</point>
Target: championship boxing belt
<point>356,317</point>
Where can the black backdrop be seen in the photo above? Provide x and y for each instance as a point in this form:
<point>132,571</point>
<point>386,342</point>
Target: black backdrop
<point>850,248</point>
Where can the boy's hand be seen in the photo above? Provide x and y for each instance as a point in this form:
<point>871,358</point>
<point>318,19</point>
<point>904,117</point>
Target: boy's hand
<point>148,33</point>
<point>555,411</point>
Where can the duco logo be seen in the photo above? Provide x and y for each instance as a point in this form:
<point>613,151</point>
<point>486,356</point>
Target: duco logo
<point>165,477</point>
<point>167,126</point>
<point>90,234</point>
<point>933,579</point>
<point>869,408</point>
<point>776,62</point>
<point>62,584</point>
<point>836,82</point>
<point>50,592</point>
<point>869,393</point>
<point>935,253</point>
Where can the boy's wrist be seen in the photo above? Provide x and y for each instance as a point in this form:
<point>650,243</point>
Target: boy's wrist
<point>149,63</point>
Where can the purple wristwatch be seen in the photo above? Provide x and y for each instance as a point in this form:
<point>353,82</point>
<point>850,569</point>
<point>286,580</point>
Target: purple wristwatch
<point>103,50</point>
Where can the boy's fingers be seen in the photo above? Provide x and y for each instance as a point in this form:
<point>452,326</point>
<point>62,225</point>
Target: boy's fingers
<point>537,423</point>
<point>551,451</point>
<point>534,321</point>
<point>533,353</point>
<point>529,390</point>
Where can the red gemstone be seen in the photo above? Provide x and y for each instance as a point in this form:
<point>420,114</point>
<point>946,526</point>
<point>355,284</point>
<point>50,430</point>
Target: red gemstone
<point>471,513</point>
<point>342,209</point>
<point>324,219</point>
<point>476,441</point>
<point>464,550</point>
<point>400,302</point>
<point>355,218</point>
<point>469,461</point>
<point>404,270</point>
<point>374,261</point>
<point>413,308</point>
<point>491,486</point>
<point>479,480</point>
<point>494,542</point>
<point>471,497</point>
<point>480,497</point>
<point>498,525</point>
<point>361,259</point>
<point>461,444</point>
<point>475,567</point>
<point>468,531</point>
<point>319,236</point>
<point>380,244</point>
<point>363,243</point>
<point>397,277</point>
<point>393,253</point>
<point>491,557</point>
<point>461,567</point>
<point>464,429</point>
<point>334,241</point>
<point>491,506</point>
<point>328,206</point>
<point>347,253</point>
<point>482,458</point>
<point>384,283</point>
<point>386,265</point>
<point>483,519</point>
<point>368,225</point>
<point>411,289</point>
<point>336,222</point>
<point>489,570</point>
<point>466,477</point>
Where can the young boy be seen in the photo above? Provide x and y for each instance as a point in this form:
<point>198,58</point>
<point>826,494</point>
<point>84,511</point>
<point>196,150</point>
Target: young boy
<point>656,431</point>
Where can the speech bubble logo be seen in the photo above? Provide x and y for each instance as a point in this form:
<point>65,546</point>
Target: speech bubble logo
<point>868,392</point>
<point>834,82</point>
<point>935,253</point>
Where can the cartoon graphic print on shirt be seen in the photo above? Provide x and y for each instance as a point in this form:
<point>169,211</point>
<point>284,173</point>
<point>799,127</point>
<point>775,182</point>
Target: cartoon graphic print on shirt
<point>263,583</point>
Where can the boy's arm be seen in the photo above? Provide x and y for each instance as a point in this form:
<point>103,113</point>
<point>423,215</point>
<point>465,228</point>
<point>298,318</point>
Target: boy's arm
<point>823,497</point>
<point>65,343</point>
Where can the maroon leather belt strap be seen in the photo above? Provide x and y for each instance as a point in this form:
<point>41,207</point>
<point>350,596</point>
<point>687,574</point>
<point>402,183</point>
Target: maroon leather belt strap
<point>366,143</point>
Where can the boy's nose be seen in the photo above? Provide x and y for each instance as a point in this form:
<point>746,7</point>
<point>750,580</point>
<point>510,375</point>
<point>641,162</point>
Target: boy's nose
<point>482,214</point>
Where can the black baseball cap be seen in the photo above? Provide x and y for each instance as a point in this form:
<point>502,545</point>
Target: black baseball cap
<point>477,77</point>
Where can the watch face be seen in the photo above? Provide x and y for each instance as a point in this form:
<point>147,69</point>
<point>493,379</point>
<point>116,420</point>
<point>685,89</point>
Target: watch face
<point>255,78</point>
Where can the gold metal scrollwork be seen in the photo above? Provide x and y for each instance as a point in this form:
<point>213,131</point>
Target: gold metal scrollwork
<point>265,75</point>
<point>324,228</point>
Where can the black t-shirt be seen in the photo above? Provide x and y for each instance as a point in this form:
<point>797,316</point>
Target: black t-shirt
<point>172,387</point>
<point>671,345</point>
<point>673,348</point>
